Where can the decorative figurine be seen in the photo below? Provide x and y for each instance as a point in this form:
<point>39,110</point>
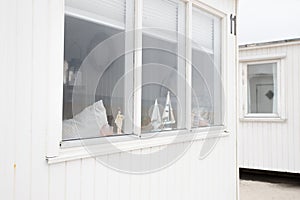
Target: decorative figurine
<point>66,69</point>
<point>119,122</point>
<point>168,116</point>
<point>156,118</point>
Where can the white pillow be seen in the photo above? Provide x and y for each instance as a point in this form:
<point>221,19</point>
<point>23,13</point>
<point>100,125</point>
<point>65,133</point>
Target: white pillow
<point>87,123</point>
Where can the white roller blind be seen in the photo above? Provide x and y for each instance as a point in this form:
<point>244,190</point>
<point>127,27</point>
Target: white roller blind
<point>163,15</point>
<point>104,11</point>
<point>204,26</point>
<point>160,14</point>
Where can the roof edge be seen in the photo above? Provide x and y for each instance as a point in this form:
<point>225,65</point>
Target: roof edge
<point>269,43</point>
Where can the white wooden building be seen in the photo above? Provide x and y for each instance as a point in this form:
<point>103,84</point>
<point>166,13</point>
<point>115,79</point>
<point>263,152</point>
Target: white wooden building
<point>45,39</point>
<point>269,130</point>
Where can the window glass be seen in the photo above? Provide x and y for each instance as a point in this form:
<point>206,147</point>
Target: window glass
<point>94,68</point>
<point>262,88</point>
<point>206,70</point>
<point>163,71</point>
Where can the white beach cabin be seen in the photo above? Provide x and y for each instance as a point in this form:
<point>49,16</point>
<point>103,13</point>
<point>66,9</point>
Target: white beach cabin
<point>269,128</point>
<point>118,99</point>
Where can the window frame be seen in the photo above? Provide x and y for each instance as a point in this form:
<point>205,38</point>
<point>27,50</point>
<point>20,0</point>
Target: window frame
<point>223,61</point>
<point>281,110</point>
<point>128,26</point>
<point>218,131</point>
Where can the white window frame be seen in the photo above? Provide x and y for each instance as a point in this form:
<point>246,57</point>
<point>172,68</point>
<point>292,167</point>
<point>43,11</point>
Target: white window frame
<point>281,108</point>
<point>223,62</point>
<point>69,150</point>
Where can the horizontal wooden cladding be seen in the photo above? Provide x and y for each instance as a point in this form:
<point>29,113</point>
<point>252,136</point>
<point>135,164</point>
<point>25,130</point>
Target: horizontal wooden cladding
<point>268,144</point>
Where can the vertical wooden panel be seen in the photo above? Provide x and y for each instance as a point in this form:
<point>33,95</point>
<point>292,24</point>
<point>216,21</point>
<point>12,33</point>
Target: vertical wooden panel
<point>57,182</point>
<point>113,179</point>
<point>23,103</point>
<point>101,179</point>
<point>185,175</point>
<point>135,181</point>
<point>162,173</point>
<point>171,174</point>
<point>39,166</point>
<point>7,102</point>
<point>124,192</point>
<point>154,177</point>
<point>87,181</point>
<point>295,156</point>
<point>73,180</point>
<point>145,180</point>
<point>290,102</point>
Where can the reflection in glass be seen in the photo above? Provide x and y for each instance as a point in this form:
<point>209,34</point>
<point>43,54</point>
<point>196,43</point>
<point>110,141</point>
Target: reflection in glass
<point>262,88</point>
<point>206,70</point>
<point>163,71</point>
<point>93,85</point>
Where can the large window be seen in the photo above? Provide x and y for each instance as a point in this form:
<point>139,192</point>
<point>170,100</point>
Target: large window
<point>101,60</point>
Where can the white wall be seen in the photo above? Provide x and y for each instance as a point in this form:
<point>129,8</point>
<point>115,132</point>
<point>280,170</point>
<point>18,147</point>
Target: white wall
<point>274,146</point>
<point>31,95</point>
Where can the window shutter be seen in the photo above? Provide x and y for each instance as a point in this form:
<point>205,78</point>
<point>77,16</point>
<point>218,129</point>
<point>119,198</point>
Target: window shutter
<point>162,17</point>
<point>203,30</point>
<point>104,11</point>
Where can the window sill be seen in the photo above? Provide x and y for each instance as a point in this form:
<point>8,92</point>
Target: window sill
<point>74,150</point>
<point>262,119</point>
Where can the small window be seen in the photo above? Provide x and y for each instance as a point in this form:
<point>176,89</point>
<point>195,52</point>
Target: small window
<point>261,95</point>
<point>262,88</point>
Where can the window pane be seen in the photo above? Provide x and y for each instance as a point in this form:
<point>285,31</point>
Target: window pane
<point>206,70</point>
<point>106,11</point>
<point>94,83</point>
<point>262,88</point>
<point>163,76</point>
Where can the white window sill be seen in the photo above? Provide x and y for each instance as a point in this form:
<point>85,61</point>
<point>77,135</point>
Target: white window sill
<point>262,118</point>
<point>73,150</point>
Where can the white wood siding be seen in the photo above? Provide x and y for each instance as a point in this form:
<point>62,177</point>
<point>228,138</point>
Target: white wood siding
<point>273,145</point>
<point>31,90</point>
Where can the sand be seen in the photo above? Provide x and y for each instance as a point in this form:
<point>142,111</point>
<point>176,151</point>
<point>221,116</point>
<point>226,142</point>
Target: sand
<point>256,190</point>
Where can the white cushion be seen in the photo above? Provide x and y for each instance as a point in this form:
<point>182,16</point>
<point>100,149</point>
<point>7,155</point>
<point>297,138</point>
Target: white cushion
<point>87,123</point>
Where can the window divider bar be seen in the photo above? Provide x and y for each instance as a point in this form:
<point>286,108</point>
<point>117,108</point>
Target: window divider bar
<point>128,75</point>
<point>137,100</point>
<point>188,64</point>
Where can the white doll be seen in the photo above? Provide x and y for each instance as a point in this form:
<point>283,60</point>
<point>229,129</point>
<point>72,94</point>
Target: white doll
<point>119,122</point>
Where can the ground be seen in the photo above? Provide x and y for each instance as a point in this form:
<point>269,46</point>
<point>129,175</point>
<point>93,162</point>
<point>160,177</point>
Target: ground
<point>258,188</point>
<point>250,190</point>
